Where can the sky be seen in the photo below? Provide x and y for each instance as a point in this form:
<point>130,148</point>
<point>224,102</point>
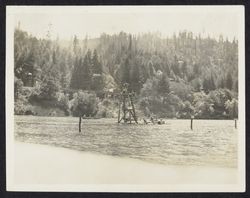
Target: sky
<point>67,21</point>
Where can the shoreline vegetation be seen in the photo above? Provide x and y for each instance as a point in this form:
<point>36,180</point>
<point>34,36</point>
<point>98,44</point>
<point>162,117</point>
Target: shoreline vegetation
<point>174,77</point>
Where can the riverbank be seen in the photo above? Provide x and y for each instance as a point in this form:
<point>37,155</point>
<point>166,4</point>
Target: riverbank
<point>46,165</point>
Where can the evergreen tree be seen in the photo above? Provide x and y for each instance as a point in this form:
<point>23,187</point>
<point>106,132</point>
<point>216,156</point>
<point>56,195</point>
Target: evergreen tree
<point>167,68</point>
<point>184,68</point>
<point>125,71</point>
<point>221,83</point>
<point>130,47</point>
<point>236,85</point>
<point>97,78</point>
<point>175,66</point>
<point>206,85</point>
<point>97,67</point>
<point>75,45</point>
<point>151,68</point>
<point>85,44</point>
<point>64,80</point>
<point>86,73</point>
<point>126,65</point>
<point>28,70</point>
<point>82,75</point>
<point>89,57</point>
<point>212,83</point>
<point>229,81</point>
<point>209,84</point>
<point>75,78</point>
<point>54,58</point>
<point>196,70</point>
<point>135,78</point>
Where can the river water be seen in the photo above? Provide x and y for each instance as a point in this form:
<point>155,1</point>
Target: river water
<point>210,143</point>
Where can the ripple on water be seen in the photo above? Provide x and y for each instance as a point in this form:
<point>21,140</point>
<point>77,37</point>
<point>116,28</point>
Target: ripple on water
<point>212,142</point>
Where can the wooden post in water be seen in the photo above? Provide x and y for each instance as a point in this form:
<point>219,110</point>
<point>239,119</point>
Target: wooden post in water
<point>235,123</point>
<point>191,126</point>
<point>80,124</point>
<point>119,115</point>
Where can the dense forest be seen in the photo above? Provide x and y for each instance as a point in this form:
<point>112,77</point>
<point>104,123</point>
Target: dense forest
<point>172,77</point>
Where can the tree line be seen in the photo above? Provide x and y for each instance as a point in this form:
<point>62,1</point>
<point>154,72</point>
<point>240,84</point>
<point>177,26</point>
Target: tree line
<point>172,76</point>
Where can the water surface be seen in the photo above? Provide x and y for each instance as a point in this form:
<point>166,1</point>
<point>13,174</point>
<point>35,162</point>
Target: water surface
<point>211,142</point>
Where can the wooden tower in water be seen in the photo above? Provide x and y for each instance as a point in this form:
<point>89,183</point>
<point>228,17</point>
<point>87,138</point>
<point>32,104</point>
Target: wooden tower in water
<point>126,106</point>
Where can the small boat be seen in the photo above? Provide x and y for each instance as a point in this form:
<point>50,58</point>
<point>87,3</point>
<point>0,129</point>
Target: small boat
<point>160,121</point>
<point>154,121</point>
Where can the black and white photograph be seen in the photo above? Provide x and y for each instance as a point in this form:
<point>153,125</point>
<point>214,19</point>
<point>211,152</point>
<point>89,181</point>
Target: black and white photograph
<point>125,98</point>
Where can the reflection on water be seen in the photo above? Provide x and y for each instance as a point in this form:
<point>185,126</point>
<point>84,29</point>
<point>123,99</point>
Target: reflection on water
<point>212,142</point>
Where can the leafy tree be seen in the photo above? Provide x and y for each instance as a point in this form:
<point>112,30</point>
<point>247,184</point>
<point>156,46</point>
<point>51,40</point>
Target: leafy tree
<point>156,98</point>
<point>149,88</point>
<point>163,85</point>
<point>23,107</point>
<point>84,103</point>
<point>187,110</point>
<point>232,108</point>
<point>203,106</point>
<point>182,90</point>
<point>196,84</point>
<point>218,98</point>
<point>63,102</point>
<point>49,88</point>
<point>18,84</point>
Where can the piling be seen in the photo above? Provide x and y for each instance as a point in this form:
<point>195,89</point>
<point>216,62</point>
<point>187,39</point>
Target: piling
<point>235,123</point>
<point>80,124</point>
<point>191,126</point>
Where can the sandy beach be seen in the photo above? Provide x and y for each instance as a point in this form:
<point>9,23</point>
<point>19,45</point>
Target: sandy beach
<point>41,164</point>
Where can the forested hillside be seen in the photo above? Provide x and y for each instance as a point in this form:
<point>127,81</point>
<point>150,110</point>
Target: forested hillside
<point>173,77</point>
